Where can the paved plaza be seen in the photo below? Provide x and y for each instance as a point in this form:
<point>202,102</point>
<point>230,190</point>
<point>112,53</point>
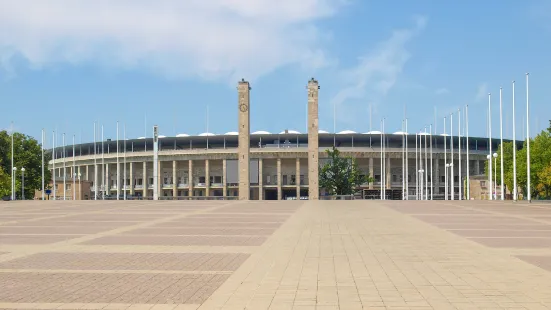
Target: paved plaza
<point>275,255</point>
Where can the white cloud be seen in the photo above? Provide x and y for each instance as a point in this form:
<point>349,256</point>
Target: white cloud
<point>441,91</point>
<point>211,39</point>
<point>375,74</point>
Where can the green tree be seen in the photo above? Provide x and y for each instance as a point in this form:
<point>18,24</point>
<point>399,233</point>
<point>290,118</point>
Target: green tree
<point>28,154</point>
<point>545,181</point>
<point>5,184</point>
<point>341,175</point>
<point>549,128</point>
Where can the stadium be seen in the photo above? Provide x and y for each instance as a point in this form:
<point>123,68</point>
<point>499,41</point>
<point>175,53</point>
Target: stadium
<point>266,166</point>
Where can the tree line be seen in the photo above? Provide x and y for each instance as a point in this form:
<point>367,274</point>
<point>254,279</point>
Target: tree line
<point>540,166</point>
<point>27,153</point>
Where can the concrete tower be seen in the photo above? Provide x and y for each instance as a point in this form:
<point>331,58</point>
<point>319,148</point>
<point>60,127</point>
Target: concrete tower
<point>313,142</point>
<point>243,151</point>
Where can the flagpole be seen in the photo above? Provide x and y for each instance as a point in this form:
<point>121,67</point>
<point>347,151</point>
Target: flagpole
<point>384,160</point>
<point>431,167</point>
<point>102,166</point>
<point>124,162</point>
<point>515,193</point>
<point>416,169</point>
<point>445,163</point>
<point>53,163</point>
<point>490,143</point>
<point>95,166</point>
<point>74,171</point>
<point>452,180</point>
<point>118,165</point>
<point>459,151</point>
<point>407,162</point>
<point>42,163</point>
<point>529,194</point>
<point>382,168</point>
<point>64,168</point>
<point>426,168</point>
<point>12,170</point>
<point>468,163</point>
<point>403,162</point>
<point>501,141</point>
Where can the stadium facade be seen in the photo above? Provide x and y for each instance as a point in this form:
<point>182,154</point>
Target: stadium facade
<point>262,165</point>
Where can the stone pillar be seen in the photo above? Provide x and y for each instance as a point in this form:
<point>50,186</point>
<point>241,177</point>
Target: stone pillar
<point>174,179</point>
<point>131,177</point>
<point>297,176</point>
<point>260,179</point>
<point>159,179</point>
<point>243,150</point>
<point>108,178</point>
<point>145,180</point>
<point>436,177</point>
<point>477,167</point>
<point>207,177</point>
<point>388,174</point>
<point>87,173</point>
<point>313,141</point>
<point>190,177</point>
<point>371,173</point>
<point>279,191</point>
<point>224,181</point>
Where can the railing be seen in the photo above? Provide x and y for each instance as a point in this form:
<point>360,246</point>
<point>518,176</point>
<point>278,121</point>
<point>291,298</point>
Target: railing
<point>198,198</point>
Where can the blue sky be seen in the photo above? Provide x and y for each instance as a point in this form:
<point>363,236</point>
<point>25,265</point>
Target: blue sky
<point>65,64</point>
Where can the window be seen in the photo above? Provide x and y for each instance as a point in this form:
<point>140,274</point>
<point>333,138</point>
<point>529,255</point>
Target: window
<point>165,180</point>
<point>293,179</point>
<point>202,180</point>
<point>268,179</point>
<point>483,184</point>
<point>150,180</point>
<point>140,181</point>
<point>284,179</point>
<point>442,178</point>
<point>377,178</point>
<point>456,179</point>
<point>302,179</point>
<point>68,186</point>
<point>218,179</point>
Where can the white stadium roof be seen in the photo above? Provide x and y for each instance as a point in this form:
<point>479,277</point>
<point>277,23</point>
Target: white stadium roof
<point>373,132</point>
<point>261,132</point>
<point>231,133</point>
<point>293,132</point>
<point>141,138</point>
<point>161,136</point>
<point>400,133</point>
<point>322,131</point>
<point>346,132</point>
<point>206,134</point>
<point>181,135</point>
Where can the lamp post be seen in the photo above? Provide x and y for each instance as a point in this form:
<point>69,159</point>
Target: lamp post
<point>421,171</point>
<point>495,175</point>
<point>489,158</point>
<point>14,169</point>
<point>74,187</point>
<point>23,183</point>
<point>446,180</point>
<point>452,193</point>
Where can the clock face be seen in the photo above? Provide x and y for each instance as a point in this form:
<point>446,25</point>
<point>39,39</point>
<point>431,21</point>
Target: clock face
<point>243,107</point>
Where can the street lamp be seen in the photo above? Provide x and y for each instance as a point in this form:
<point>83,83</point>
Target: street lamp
<point>452,189</point>
<point>23,183</point>
<point>495,176</point>
<point>14,169</point>
<point>446,180</point>
<point>421,171</point>
<point>489,158</point>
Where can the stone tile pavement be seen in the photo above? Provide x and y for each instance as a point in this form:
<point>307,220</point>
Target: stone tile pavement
<point>275,255</point>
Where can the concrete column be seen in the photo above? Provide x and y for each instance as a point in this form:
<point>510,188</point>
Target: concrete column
<point>145,180</point>
<point>131,177</point>
<point>207,177</point>
<point>313,141</point>
<point>174,179</point>
<point>436,177</point>
<point>388,174</point>
<point>279,190</point>
<point>260,179</point>
<point>243,149</point>
<point>87,173</point>
<point>159,179</point>
<point>190,177</point>
<point>371,172</point>
<point>297,176</point>
<point>477,167</point>
<point>108,179</point>
<point>224,181</point>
